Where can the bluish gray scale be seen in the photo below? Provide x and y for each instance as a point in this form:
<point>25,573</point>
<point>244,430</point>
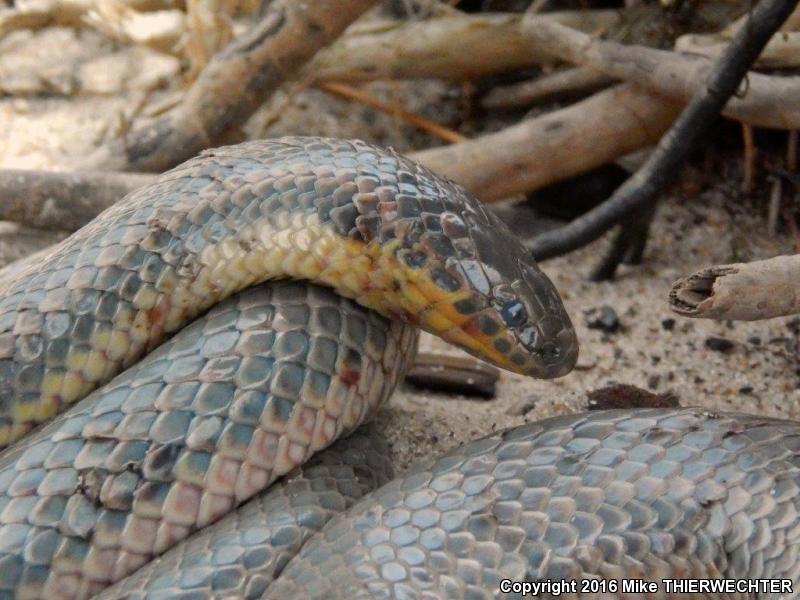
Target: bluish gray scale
<point>72,489</point>
<point>548,527</point>
<point>251,546</point>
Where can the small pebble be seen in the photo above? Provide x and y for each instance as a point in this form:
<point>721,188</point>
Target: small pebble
<point>604,319</point>
<point>668,324</point>
<point>719,344</point>
<point>755,340</point>
<point>746,389</point>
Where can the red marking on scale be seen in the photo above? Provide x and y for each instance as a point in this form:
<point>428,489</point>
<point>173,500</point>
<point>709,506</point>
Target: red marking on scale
<point>350,377</point>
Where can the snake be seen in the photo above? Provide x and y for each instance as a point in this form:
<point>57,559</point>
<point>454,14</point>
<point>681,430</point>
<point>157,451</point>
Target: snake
<point>169,373</point>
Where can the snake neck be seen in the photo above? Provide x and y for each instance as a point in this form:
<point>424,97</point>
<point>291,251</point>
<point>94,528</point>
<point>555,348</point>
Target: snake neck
<point>299,246</point>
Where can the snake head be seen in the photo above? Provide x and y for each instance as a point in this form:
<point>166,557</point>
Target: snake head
<point>536,335</point>
<point>519,324</point>
<point>483,292</point>
<point>415,246</point>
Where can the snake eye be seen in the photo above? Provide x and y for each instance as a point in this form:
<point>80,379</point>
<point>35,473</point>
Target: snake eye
<point>513,313</point>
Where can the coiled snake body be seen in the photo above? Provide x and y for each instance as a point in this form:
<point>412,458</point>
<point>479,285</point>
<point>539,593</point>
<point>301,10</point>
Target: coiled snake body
<point>270,375</point>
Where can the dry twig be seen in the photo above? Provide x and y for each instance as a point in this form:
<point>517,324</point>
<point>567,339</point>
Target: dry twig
<point>453,48</point>
<point>770,101</point>
<point>791,151</point>
<point>453,374</point>
<point>780,52</point>
<point>349,92</point>
<point>775,200</point>
<point>783,51</point>
<point>565,82</point>
<point>62,200</point>
<point>749,158</point>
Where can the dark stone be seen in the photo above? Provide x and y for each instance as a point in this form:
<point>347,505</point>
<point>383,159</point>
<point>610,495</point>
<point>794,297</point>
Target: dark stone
<point>719,344</point>
<point>668,324</point>
<point>605,319</point>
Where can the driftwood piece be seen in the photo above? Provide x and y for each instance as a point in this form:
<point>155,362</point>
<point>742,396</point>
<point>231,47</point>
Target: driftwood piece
<point>545,149</point>
<point>453,374</point>
<point>743,292</point>
<point>468,46</point>
<point>783,51</point>
<point>768,101</point>
<point>554,86</point>
<point>780,52</point>
<point>454,48</point>
<point>68,201</point>
<point>792,23</point>
<point>235,82</point>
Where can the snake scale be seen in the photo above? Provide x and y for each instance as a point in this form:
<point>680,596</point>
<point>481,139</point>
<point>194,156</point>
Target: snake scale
<point>178,385</point>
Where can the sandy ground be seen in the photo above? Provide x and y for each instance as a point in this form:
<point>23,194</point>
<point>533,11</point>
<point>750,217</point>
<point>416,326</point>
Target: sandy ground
<point>759,374</point>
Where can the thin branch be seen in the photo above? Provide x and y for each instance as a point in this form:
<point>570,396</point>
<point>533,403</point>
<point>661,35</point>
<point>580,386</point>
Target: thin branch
<point>453,374</point>
<point>791,151</point>
<point>398,112</point>
<point>769,101</point>
<point>664,164</point>
<point>565,82</point>
<point>749,158</point>
<point>68,201</point>
<point>775,200</point>
<point>453,48</point>
<point>780,52</point>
